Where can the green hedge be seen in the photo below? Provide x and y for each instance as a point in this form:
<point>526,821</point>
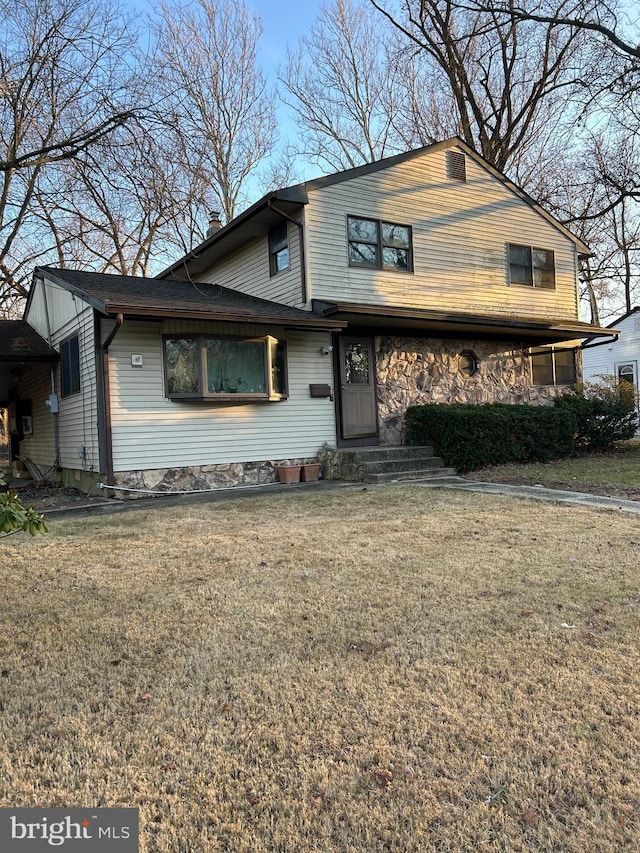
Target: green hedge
<point>470,437</point>
<point>600,421</point>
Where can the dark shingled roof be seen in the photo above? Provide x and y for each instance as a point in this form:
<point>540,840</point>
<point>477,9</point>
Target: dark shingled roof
<point>152,297</point>
<point>19,342</point>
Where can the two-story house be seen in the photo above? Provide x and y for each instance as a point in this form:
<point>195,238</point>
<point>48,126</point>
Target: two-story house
<point>315,317</point>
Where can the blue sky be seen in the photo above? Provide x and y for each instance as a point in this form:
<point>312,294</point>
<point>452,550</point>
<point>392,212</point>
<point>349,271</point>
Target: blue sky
<point>284,21</point>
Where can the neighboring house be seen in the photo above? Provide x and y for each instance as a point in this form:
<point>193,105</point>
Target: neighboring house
<point>617,355</point>
<point>315,317</point>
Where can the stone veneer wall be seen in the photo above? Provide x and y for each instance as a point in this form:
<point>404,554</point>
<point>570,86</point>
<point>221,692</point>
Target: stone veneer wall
<point>411,371</point>
<point>203,477</point>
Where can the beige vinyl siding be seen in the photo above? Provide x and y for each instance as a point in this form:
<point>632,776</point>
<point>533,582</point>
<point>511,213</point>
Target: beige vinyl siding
<point>149,431</point>
<point>61,306</point>
<point>78,412</point>
<point>460,236</point>
<point>40,446</point>
<point>77,419</point>
<point>247,270</point>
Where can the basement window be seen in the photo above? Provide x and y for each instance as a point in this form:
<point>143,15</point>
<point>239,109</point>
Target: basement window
<point>531,266</point>
<point>553,366</point>
<point>205,367</point>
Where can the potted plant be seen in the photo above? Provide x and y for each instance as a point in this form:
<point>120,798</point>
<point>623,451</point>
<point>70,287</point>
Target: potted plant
<point>310,472</point>
<point>289,473</point>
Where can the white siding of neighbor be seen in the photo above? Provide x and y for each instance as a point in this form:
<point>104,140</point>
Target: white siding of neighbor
<point>460,236</point>
<point>149,431</point>
<point>604,358</point>
<point>247,270</point>
<point>77,418</point>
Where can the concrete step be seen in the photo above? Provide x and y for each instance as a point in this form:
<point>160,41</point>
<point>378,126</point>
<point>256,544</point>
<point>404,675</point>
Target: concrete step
<point>384,464</point>
<point>389,466</point>
<point>370,454</point>
<point>428,474</point>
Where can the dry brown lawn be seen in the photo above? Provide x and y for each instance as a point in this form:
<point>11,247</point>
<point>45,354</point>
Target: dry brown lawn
<point>615,472</point>
<point>389,669</point>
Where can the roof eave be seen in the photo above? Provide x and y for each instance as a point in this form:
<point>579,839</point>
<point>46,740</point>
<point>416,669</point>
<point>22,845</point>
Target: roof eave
<point>296,194</point>
<point>314,322</point>
<point>532,328</point>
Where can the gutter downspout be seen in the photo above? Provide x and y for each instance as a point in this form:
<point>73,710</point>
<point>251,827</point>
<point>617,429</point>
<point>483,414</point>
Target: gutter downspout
<point>108,440</point>
<point>303,264</point>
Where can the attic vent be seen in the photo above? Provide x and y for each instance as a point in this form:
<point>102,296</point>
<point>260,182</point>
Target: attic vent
<point>456,166</point>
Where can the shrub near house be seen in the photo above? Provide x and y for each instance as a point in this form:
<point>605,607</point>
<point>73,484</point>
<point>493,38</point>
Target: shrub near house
<point>605,412</point>
<point>470,437</point>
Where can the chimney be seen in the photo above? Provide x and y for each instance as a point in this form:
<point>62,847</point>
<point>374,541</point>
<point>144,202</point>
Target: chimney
<point>214,223</point>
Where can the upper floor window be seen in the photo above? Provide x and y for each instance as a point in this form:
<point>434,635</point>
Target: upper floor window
<point>70,366</point>
<point>553,366</point>
<point>279,248</point>
<point>379,245</point>
<point>532,266</point>
<point>203,367</point>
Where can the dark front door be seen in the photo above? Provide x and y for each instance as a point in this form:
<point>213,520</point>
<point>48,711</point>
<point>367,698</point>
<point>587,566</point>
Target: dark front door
<point>357,388</point>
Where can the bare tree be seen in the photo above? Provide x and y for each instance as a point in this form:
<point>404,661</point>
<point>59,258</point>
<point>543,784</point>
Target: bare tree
<point>122,205</point>
<point>606,20</point>
<point>216,93</point>
<point>62,90</point>
<point>507,80</point>
<point>345,83</point>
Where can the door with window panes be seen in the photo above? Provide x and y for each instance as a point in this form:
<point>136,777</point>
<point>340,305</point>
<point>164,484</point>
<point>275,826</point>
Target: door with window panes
<point>357,388</point>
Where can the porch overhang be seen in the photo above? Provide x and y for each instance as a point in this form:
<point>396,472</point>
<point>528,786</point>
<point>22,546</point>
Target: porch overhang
<point>534,331</point>
<point>20,345</point>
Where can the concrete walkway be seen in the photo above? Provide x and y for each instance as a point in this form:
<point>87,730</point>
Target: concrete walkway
<point>537,493</point>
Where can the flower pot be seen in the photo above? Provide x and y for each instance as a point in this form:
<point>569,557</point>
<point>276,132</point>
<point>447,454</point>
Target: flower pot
<point>289,473</point>
<point>310,472</point>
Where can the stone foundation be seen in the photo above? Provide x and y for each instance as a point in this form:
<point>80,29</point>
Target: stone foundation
<point>203,477</point>
<point>412,371</point>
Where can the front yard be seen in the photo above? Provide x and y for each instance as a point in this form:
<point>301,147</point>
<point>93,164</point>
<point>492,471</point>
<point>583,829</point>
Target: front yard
<point>615,473</point>
<point>389,669</point>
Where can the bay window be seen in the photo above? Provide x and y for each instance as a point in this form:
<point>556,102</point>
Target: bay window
<point>213,367</point>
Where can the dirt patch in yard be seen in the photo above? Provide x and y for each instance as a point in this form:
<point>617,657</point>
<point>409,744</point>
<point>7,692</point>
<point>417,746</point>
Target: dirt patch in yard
<point>45,496</point>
